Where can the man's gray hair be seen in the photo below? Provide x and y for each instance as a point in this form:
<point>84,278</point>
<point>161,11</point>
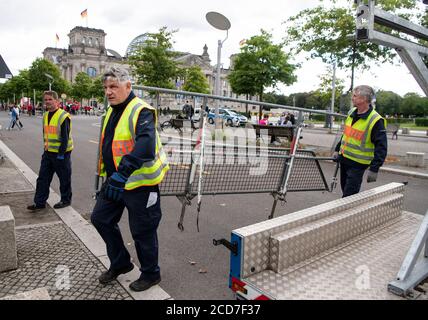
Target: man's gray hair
<point>118,73</point>
<point>366,92</point>
<point>51,93</point>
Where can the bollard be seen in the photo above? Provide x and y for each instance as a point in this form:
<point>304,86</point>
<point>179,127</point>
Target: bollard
<point>8,253</point>
<point>415,159</point>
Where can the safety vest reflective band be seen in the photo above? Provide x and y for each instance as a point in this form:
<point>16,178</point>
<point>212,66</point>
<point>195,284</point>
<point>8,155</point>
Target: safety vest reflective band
<point>151,172</point>
<point>356,139</point>
<point>52,131</point>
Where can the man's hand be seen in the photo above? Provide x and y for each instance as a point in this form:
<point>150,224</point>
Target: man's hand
<point>371,176</point>
<point>60,157</point>
<point>335,156</point>
<point>114,187</point>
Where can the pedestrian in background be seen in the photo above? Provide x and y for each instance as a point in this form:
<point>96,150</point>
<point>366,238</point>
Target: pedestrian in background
<point>17,118</point>
<point>56,158</point>
<point>12,114</point>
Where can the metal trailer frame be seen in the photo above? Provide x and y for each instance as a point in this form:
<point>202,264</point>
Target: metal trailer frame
<point>415,267</point>
<point>410,52</point>
<point>411,272</point>
<point>347,248</point>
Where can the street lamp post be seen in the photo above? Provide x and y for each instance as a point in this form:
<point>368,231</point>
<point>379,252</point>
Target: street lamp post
<point>219,22</point>
<point>50,80</point>
<point>333,95</point>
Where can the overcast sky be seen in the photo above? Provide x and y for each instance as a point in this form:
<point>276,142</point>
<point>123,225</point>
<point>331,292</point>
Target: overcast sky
<point>27,27</point>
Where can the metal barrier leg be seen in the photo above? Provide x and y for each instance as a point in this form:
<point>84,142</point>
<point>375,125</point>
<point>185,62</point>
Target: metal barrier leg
<point>272,212</point>
<point>180,223</point>
<point>185,201</point>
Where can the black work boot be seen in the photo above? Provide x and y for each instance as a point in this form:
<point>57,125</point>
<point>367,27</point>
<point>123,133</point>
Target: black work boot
<point>141,284</point>
<point>111,275</point>
<point>35,207</point>
<point>61,205</point>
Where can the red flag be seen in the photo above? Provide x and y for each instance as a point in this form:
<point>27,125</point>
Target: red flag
<point>84,13</point>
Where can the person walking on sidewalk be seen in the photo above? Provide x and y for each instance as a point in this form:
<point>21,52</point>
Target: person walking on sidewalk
<point>17,120</point>
<point>363,144</point>
<point>58,144</point>
<point>132,159</point>
<point>12,114</point>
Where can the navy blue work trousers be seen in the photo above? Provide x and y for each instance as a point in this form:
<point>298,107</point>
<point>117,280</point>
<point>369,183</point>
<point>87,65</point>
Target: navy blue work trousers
<point>144,220</point>
<point>50,165</point>
<point>351,178</point>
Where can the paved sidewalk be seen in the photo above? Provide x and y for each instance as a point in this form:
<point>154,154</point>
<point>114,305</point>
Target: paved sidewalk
<point>58,250</point>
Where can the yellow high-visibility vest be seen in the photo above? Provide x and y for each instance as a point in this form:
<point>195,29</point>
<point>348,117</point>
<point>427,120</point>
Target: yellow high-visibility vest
<point>151,172</point>
<point>356,139</point>
<point>52,131</point>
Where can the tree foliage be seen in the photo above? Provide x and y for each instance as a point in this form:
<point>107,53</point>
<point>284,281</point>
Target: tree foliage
<point>259,65</point>
<point>81,88</point>
<point>388,102</point>
<point>40,82</point>
<point>195,80</point>
<point>97,89</point>
<point>325,91</point>
<point>327,32</point>
<point>153,61</point>
<point>414,105</point>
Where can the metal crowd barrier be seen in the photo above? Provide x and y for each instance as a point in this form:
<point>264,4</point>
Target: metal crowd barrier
<point>236,169</point>
<point>201,168</point>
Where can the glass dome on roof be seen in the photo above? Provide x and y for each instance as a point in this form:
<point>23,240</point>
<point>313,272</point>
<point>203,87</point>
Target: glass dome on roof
<point>134,44</point>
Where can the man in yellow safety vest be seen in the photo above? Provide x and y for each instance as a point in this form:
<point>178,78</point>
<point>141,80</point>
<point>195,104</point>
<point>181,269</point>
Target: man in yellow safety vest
<point>363,144</point>
<point>133,161</point>
<point>56,158</point>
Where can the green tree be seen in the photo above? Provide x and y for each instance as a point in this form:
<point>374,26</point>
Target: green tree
<point>325,90</point>
<point>388,102</point>
<point>195,80</point>
<point>153,61</point>
<point>259,65</point>
<point>414,105</point>
<point>314,100</point>
<point>17,87</point>
<point>6,92</point>
<point>81,88</point>
<point>40,81</point>
<point>97,89</point>
<point>327,32</point>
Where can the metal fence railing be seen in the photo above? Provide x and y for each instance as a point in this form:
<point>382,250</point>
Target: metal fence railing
<point>205,167</point>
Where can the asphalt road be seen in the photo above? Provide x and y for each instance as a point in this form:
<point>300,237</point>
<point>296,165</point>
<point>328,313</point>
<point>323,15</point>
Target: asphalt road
<point>208,277</point>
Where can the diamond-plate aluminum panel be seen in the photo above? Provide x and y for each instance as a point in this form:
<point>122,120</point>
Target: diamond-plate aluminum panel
<point>358,269</point>
<point>256,237</point>
<point>298,244</point>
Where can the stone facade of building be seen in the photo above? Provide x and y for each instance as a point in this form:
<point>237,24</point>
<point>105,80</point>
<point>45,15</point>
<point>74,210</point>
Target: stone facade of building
<point>87,53</point>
